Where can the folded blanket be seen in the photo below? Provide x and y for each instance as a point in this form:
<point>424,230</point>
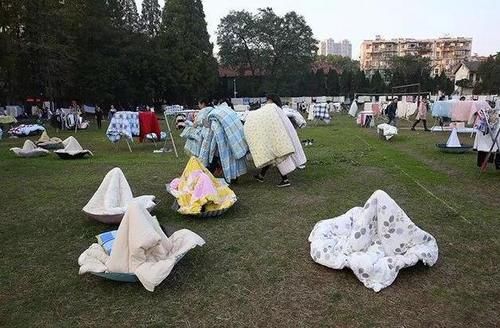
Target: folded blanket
<point>388,131</point>
<point>198,190</point>
<point>267,136</point>
<point>6,119</point>
<point>29,150</point>
<point>45,140</point>
<point>141,248</point>
<point>375,241</point>
<point>114,195</point>
<point>72,147</point>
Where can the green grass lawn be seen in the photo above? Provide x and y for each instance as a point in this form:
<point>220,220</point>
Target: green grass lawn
<point>255,269</point>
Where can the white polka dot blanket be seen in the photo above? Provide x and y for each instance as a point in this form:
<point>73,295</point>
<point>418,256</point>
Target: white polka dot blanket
<point>375,242</point>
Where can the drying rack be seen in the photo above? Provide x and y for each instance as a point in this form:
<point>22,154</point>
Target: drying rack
<point>170,135</point>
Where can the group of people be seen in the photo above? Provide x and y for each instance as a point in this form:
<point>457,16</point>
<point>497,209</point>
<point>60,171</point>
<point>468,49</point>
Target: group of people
<point>222,142</point>
<point>423,109</point>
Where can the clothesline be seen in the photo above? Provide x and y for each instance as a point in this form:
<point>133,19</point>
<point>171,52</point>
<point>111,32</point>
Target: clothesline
<point>458,111</point>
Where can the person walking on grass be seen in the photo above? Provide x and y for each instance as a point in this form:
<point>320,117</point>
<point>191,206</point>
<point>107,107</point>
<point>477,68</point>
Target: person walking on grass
<point>423,108</point>
<point>391,111</point>
<point>294,160</point>
<point>98,116</point>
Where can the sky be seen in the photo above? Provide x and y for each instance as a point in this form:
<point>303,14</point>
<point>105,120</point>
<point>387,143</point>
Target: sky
<point>358,20</point>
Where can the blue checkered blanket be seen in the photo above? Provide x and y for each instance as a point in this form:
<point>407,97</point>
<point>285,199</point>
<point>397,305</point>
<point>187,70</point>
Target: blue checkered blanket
<point>227,139</point>
<point>321,112</point>
<point>124,124</point>
<point>194,134</point>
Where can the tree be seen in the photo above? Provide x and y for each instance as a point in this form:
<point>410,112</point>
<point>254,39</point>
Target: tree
<point>346,83</point>
<point>377,83</point>
<point>333,83</point>
<point>273,48</point>
<point>239,43</point>
<point>150,18</point>
<point>187,50</point>
<point>320,83</point>
<point>489,75</point>
<point>408,70</point>
<point>129,15</point>
<point>443,83</point>
<point>338,63</point>
<point>45,50</point>
<point>464,83</point>
<point>10,30</point>
<point>359,82</point>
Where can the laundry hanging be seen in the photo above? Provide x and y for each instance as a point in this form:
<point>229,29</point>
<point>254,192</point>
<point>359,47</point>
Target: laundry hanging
<point>354,109</point>
<point>123,124</point>
<point>322,113</point>
<point>148,123</point>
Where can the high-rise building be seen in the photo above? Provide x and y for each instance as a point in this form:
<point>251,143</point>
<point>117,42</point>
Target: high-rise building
<point>330,47</point>
<point>445,53</point>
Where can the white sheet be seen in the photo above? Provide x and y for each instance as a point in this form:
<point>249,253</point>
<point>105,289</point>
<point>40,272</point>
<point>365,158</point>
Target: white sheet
<point>354,109</point>
<point>141,248</point>
<point>389,131</point>
<point>114,195</point>
<point>72,147</point>
<point>29,150</point>
<point>375,241</point>
<point>298,158</point>
<point>483,142</point>
<point>296,116</point>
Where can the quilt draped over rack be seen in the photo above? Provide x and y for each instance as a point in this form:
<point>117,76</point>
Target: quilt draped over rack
<point>459,111</point>
<point>124,124</point>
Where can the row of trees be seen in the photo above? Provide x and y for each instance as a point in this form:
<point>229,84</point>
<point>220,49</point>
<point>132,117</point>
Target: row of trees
<point>334,75</point>
<point>277,53</point>
<point>489,73</point>
<point>104,51</point>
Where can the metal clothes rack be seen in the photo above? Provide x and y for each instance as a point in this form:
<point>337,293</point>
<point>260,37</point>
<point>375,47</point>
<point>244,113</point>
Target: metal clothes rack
<point>170,136</point>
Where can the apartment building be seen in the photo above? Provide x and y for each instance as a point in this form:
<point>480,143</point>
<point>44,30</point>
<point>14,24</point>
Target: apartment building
<point>330,47</point>
<point>445,53</point>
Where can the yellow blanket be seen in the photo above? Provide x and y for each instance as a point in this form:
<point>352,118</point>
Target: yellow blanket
<point>187,190</point>
<point>267,136</point>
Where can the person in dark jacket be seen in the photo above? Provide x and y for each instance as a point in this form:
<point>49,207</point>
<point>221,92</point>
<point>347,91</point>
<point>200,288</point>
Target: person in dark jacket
<point>391,110</point>
<point>98,116</point>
